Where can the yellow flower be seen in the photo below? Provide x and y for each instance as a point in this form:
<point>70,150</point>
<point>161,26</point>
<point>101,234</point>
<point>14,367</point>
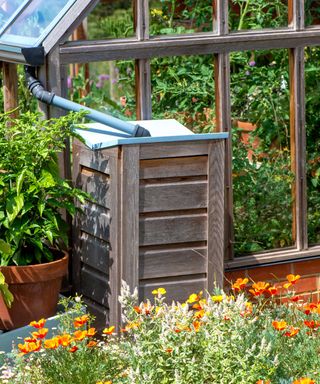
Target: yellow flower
<point>109,331</point>
<point>159,292</point>
<point>218,298</point>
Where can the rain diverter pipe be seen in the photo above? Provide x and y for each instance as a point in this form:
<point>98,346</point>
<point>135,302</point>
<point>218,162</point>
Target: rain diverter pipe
<point>37,89</point>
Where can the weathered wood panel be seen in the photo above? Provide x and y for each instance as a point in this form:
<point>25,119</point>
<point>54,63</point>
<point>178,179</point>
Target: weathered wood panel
<point>95,220</point>
<point>173,196</point>
<point>94,252</point>
<point>172,262</point>
<point>173,229</point>
<point>130,215</point>
<point>100,312</point>
<point>166,150</point>
<point>216,242</point>
<point>94,285</point>
<point>173,167</point>
<point>96,184</point>
<point>97,160</point>
<point>178,290</point>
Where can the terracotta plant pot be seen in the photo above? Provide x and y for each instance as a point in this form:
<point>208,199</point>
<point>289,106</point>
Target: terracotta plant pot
<point>35,289</point>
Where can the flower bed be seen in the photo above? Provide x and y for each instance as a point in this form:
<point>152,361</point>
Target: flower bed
<point>252,335</point>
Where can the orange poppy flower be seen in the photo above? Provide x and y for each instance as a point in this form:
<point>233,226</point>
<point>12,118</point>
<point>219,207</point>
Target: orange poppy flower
<point>144,308</point>
<point>91,332</point>
<point>196,325</point>
<point>51,343</point>
<point>194,297</point>
<point>30,340</point>
<point>259,288</point>
<point>169,350</point>
<point>279,325</point>
<point>312,324</point>
<point>73,349</point>
<point>304,380</point>
<point>292,332</point>
<point>29,347</point>
<point>239,284</point>
<point>292,279</point>
<point>310,308</point>
<point>199,314</point>
<point>38,324</point>
<point>79,335</point>
<point>109,331</point>
<point>64,340</point>
<point>263,382</point>
<point>91,344</point>
<point>272,291</point>
<point>80,321</point>
<point>41,334</point>
<point>295,299</point>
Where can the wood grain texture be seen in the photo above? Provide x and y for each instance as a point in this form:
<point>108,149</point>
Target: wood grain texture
<point>173,167</point>
<point>95,220</point>
<point>216,242</point>
<point>100,312</point>
<point>178,290</point>
<point>95,183</point>
<point>206,43</point>
<point>115,240</point>
<point>94,252</point>
<point>10,87</point>
<point>143,89</point>
<point>165,150</point>
<point>172,262</point>
<point>97,160</point>
<point>173,196</point>
<point>130,215</point>
<point>173,229</point>
<point>94,285</point>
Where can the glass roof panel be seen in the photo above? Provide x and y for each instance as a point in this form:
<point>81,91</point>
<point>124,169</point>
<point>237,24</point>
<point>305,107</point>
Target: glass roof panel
<point>8,9</point>
<point>35,21</point>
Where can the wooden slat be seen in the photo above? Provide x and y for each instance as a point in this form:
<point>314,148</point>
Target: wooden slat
<point>100,312</point>
<point>97,160</point>
<point>97,184</point>
<point>216,232</point>
<point>223,118</point>
<point>296,14</point>
<point>172,262</point>
<point>94,252</point>
<point>220,16</point>
<point>10,87</point>
<point>94,285</point>
<point>180,45</point>
<point>143,89</point>
<point>173,167</point>
<point>298,148</point>
<point>130,215</point>
<point>95,220</point>
<point>165,150</point>
<point>115,237</point>
<point>173,196</point>
<point>173,229</point>
<point>178,290</point>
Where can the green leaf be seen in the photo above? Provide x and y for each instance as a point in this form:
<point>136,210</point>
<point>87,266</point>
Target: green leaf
<point>14,206</point>
<point>5,248</point>
<point>20,180</point>
<point>4,290</point>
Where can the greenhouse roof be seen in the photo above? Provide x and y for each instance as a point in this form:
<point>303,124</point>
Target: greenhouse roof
<point>29,29</point>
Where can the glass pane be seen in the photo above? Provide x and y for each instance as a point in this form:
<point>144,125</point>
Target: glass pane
<point>180,16</point>
<point>111,20</point>
<point>8,9</point>
<point>183,89</point>
<point>262,176</point>
<point>258,14</point>
<point>312,78</point>
<point>107,86</point>
<point>34,20</point>
<point>312,12</point>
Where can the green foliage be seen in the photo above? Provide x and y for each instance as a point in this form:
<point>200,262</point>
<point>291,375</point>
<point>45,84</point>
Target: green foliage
<point>32,194</point>
<point>221,339</point>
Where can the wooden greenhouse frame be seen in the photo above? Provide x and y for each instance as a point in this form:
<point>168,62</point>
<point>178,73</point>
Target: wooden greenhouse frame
<point>220,43</point>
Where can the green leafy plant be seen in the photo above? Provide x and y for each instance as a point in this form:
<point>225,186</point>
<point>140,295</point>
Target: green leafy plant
<point>249,336</point>
<point>32,194</point>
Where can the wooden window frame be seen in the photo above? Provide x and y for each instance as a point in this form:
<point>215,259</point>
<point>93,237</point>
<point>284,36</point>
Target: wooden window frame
<point>220,43</point>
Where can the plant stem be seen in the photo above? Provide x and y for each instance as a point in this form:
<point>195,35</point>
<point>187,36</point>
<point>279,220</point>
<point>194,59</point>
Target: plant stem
<point>173,8</point>
<point>243,15</point>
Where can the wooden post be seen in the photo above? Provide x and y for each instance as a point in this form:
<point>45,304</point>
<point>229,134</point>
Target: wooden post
<point>10,87</point>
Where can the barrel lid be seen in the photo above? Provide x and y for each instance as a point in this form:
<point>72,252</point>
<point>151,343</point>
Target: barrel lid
<point>98,136</point>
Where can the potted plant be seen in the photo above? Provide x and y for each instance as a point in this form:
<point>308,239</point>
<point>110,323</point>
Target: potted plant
<point>33,233</point>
